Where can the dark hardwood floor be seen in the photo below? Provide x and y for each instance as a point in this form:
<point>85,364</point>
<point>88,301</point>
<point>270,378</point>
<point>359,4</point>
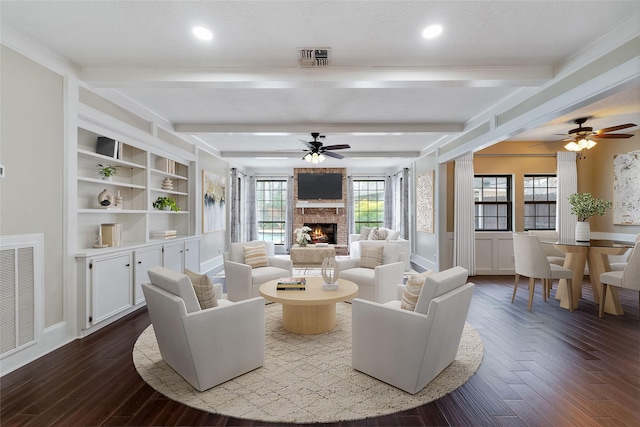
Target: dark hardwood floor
<point>544,367</point>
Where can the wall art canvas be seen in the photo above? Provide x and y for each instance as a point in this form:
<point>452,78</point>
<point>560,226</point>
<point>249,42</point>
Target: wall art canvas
<point>213,202</point>
<point>424,202</point>
<point>626,188</point>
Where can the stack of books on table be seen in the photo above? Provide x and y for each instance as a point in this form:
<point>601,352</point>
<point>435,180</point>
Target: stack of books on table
<point>291,284</point>
<point>164,234</point>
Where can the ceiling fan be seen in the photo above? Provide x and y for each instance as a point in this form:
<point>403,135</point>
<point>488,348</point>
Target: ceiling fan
<point>317,151</point>
<point>583,136</point>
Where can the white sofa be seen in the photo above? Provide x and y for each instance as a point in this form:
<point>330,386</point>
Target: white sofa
<point>205,347</point>
<point>408,349</point>
<point>405,247</point>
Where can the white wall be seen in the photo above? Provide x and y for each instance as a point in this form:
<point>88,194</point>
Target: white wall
<point>32,150</point>
<point>213,244</point>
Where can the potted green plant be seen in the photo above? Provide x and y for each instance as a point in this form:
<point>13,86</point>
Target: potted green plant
<point>584,206</point>
<point>166,203</point>
<point>106,172</point>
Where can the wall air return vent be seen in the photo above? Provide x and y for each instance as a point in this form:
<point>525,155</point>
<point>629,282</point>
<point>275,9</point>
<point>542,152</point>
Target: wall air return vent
<point>314,56</point>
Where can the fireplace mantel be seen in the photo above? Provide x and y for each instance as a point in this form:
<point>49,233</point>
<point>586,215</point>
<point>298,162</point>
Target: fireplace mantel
<point>320,205</point>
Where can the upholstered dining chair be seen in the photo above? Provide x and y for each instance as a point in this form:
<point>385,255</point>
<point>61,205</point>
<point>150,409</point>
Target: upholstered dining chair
<point>248,265</point>
<point>629,278</point>
<point>619,266</point>
<point>554,255</point>
<point>532,262</point>
<point>204,346</point>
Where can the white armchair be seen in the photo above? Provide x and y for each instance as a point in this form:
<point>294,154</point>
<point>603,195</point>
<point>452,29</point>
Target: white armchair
<point>242,280</point>
<point>375,284</point>
<point>355,243</point>
<point>205,347</point>
<point>408,349</point>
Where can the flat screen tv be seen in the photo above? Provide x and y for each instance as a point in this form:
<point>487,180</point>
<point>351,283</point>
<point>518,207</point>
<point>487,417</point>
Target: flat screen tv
<point>319,186</point>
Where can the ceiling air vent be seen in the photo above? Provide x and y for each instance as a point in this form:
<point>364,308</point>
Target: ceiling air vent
<point>314,56</point>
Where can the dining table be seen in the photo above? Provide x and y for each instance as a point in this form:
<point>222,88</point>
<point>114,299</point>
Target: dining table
<point>594,253</point>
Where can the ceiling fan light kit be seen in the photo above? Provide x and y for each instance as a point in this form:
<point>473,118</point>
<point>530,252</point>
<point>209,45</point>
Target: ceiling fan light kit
<point>581,145</point>
<point>314,158</point>
<point>581,137</point>
<point>318,152</point>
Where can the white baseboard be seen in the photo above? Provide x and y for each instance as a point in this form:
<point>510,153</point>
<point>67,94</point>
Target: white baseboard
<point>51,339</point>
<point>423,262</point>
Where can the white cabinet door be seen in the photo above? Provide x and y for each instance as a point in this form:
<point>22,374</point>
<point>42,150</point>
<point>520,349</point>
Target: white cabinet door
<point>192,255</point>
<point>144,260</point>
<point>111,285</point>
<point>173,256</point>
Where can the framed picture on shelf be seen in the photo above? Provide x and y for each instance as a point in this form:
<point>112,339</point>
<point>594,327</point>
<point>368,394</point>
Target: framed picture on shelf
<point>213,202</point>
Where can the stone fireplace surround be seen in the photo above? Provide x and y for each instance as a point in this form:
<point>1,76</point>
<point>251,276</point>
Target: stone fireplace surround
<point>322,215</point>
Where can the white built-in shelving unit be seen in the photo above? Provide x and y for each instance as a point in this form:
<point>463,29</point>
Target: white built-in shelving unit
<point>109,279</point>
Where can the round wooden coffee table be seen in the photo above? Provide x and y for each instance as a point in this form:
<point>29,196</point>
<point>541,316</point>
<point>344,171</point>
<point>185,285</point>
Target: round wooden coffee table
<point>312,311</point>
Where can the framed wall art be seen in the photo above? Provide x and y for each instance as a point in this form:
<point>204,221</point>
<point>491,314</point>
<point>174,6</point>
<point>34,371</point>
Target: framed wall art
<point>626,188</point>
<point>424,202</point>
<point>213,202</point>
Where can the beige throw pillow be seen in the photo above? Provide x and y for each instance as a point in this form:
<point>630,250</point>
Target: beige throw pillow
<point>378,234</point>
<point>364,232</point>
<point>371,256</point>
<point>203,287</point>
<point>412,290</point>
<point>393,235</point>
<point>255,256</point>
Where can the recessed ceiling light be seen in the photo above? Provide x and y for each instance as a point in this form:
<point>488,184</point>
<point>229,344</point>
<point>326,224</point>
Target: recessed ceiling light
<point>432,31</point>
<point>202,33</point>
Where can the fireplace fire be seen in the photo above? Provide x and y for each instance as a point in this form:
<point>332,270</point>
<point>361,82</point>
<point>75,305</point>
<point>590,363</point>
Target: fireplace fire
<point>323,232</point>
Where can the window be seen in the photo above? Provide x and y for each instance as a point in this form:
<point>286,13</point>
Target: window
<point>271,210</point>
<point>368,197</point>
<point>540,194</point>
<point>493,207</point>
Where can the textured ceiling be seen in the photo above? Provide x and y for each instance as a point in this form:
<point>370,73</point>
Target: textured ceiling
<point>384,77</point>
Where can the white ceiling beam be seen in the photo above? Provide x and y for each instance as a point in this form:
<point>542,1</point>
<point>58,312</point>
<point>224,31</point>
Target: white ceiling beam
<point>299,154</point>
<point>284,78</point>
<point>347,128</point>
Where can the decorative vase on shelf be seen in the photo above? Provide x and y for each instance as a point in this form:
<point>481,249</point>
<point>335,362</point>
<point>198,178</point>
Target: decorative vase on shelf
<point>118,199</point>
<point>167,184</point>
<point>583,231</point>
<point>105,198</point>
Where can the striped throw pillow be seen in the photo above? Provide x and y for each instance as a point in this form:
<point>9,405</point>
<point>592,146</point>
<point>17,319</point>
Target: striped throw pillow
<point>412,290</point>
<point>255,256</point>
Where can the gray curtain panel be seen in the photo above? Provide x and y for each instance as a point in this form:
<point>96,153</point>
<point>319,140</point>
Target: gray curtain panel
<point>252,220</point>
<point>288,226</point>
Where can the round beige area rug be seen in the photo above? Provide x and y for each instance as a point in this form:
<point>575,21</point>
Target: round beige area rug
<point>304,379</point>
